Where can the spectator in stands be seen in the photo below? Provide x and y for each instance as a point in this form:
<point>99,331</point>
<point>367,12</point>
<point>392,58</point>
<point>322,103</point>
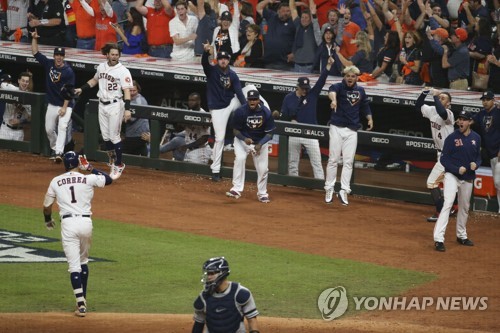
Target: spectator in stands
<point>324,8</point>
<point>326,50</point>
<point>355,13</point>
<point>134,37</point>
<point>225,37</point>
<point>120,8</point>
<point>85,22</point>
<point>246,20</point>
<point>386,57</point>
<point>410,59</point>
<point>252,52</point>
<point>207,18</point>
<point>480,46</point>
<point>183,32</point>
<point>300,106</point>
<point>218,7</point>
<point>307,37</point>
<point>280,35</point>
<point>375,21</point>
<point>494,66</point>
<point>16,114</point>
<point>469,11</point>
<point>47,17</point>
<point>104,19</point>
<point>457,60</point>
<point>348,48</point>
<point>70,24</point>
<point>17,18</point>
<point>362,58</point>
<point>135,128</point>
<point>438,74</point>
<point>159,40</point>
<point>333,18</point>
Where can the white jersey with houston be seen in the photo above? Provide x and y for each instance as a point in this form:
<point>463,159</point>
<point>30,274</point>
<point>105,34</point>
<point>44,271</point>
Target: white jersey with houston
<point>73,192</point>
<point>440,128</point>
<point>112,80</point>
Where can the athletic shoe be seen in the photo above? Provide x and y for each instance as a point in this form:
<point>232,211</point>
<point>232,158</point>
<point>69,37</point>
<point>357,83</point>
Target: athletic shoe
<point>264,199</point>
<point>343,197</point>
<point>233,194</point>
<point>117,171</point>
<point>329,195</point>
<point>466,242</point>
<point>454,210</point>
<point>216,177</point>
<point>53,155</point>
<point>439,246</point>
<point>58,159</point>
<point>81,311</point>
<point>433,218</point>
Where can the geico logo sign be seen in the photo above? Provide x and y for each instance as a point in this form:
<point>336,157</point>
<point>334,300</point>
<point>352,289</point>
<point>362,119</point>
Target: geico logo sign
<point>192,118</point>
<point>315,133</point>
<point>390,100</point>
<point>380,140</point>
<point>470,108</point>
<point>29,59</point>
<point>257,85</point>
<point>293,130</point>
<point>182,77</point>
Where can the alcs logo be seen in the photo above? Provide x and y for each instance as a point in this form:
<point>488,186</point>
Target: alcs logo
<point>332,303</point>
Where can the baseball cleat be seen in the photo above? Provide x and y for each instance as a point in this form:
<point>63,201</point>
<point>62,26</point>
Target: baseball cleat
<point>58,159</point>
<point>439,246</point>
<point>117,171</point>
<point>433,218</point>
<point>343,197</point>
<point>81,311</point>
<point>216,177</point>
<point>264,199</point>
<point>466,242</point>
<point>233,194</point>
<point>329,195</point>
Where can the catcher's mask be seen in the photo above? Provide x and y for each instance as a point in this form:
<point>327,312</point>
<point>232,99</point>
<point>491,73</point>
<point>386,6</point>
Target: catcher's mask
<point>218,266</point>
<point>70,160</point>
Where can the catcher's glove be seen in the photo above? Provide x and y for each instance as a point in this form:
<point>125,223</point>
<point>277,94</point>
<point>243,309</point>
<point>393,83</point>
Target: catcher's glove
<point>68,92</point>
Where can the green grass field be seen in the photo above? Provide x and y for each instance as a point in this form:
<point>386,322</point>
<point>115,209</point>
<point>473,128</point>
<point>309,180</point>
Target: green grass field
<point>159,271</point>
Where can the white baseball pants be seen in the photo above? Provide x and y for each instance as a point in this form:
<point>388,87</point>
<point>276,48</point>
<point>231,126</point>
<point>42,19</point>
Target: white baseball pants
<point>110,120</point>
<point>495,170</point>
<point>76,235</point>
<point>436,176</point>
<point>294,149</point>
<point>57,127</point>
<point>343,142</point>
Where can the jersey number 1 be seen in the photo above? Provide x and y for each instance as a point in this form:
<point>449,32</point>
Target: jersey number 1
<point>72,189</point>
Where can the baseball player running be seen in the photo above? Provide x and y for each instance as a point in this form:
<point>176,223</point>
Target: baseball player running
<point>73,192</point>
<point>461,157</point>
<point>253,127</point>
<point>15,113</point>
<point>224,95</point>
<point>348,100</point>
<point>223,304</point>
<point>58,115</point>
<point>442,121</point>
<point>114,105</point>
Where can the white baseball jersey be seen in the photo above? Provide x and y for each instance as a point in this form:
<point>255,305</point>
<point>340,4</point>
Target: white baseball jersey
<point>74,192</point>
<point>440,128</point>
<point>112,80</point>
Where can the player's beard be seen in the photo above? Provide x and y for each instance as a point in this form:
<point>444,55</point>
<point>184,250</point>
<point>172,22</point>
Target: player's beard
<point>112,62</point>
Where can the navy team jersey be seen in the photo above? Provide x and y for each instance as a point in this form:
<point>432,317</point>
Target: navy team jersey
<point>351,101</point>
<point>460,150</point>
<point>254,124</point>
<point>489,128</point>
<point>55,79</point>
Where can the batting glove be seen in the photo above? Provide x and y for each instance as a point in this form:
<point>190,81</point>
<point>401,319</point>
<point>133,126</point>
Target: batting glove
<point>50,225</point>
<point>84,164</point>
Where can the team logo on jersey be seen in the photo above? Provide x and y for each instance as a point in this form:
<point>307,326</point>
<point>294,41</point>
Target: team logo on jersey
<point>473,142</point>
<point>127,79</point>
<point>55,76</point>
<point>226,81</point>
<point>255,121</point>
<point>488,121</point>
<point>353,97</point>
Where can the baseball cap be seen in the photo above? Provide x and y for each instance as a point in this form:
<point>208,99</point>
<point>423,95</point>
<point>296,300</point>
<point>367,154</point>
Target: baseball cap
<point>253,94</point>
<point>59,51</point>
<point>223,54</point>
<point>329,28</point>
<point>465,115</point>
<point>226,16</point>
<point>303,82</point>
<point>461,34</point>
<point>5,78</point>
<point>441,33</point>
<point>488,95</point>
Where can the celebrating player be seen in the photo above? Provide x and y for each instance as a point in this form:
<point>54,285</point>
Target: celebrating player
<point>461,157</point>
<point>253,127</point>
<point>223,304</point>
<point>57,75</point>
<point>114,106</point>
<point>15,113</point>
<point>348,100</point>
<point>73,192</point>
<point>222,86</point>
<point>442,121</point>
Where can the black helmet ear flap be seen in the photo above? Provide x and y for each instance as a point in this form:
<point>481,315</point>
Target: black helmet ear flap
<point>218,266</point>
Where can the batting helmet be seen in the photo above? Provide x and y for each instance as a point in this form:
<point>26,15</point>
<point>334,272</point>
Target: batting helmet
<point>70,160</point>
<point>220,267</point>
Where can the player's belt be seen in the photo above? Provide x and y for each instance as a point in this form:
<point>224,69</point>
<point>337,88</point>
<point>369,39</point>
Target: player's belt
<point>108,102</point>
<point>74,215</point>
<point>12,127</point>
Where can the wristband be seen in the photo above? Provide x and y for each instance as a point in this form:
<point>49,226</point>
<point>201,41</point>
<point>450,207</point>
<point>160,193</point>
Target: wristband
<point>48,217</point>
<point>314,16</point>
<point>44,22</point>
<point>127,104</point>
<point>85,86</point>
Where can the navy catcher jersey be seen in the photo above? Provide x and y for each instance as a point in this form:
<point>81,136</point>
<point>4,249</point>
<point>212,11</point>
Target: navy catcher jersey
<point>254,124</point>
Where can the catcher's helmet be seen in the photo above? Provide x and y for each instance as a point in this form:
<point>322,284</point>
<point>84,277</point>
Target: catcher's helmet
<point>220,267</point>
<point>70,160</point>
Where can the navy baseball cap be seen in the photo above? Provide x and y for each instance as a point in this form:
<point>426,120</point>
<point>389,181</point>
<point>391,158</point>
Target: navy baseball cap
<point>226,16</point>
<point>59,51</point>
<point>488,95</point>
<point>465,115</point>
<point>303,82</point>
<point>223,54</point>
<point>5,78</point>
<point>253,94</point>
